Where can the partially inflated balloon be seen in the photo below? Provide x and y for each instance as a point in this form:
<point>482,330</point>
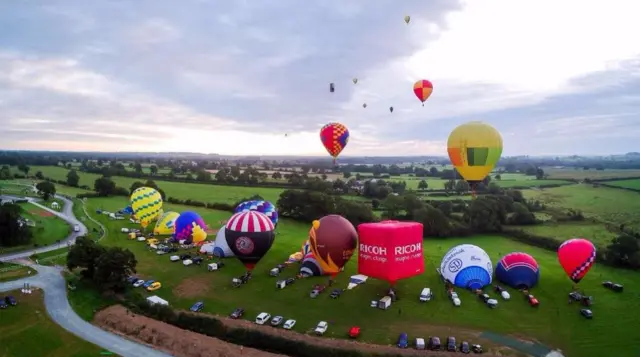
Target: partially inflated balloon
<point>265,207</point>
<point>577,256</point>
<point>334,137</point>
<point>190,227</point>
<point>250,235</point>
<point>146,203</point>
<point>333,240</point>
<point>474,149</point>
<point>310,266</point>
<point>166,224</point>
<point>423,89</point>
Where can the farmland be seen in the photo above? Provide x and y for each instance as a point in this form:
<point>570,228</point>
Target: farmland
<point>593,174</point>
<point>48,228</point>
<point>554,323</point>
<point>634,184</point>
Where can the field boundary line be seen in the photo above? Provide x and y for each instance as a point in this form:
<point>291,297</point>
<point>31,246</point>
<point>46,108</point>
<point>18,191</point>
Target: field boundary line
<point>104,229</point>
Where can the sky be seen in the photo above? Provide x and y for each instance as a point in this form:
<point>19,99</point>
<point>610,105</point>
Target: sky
<point>554,77</point>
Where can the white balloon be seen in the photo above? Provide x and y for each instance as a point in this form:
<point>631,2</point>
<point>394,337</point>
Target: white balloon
<point>221,248</point>
<point>464,256</point>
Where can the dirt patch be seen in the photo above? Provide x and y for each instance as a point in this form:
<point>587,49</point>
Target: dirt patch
<point>170,339</point>
<point>192,287</point>
<point>41,213</point>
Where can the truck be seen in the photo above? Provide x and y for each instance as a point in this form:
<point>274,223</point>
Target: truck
<point>384,303</point>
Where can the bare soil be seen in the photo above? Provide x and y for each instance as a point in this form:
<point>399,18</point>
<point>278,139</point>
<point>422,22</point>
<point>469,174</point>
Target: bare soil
<point>192,287</point>
<point>184,343</point>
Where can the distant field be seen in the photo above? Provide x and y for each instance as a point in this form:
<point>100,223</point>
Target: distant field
<point>580,174</point>
<point>634,183</point>
<point>596,233</point>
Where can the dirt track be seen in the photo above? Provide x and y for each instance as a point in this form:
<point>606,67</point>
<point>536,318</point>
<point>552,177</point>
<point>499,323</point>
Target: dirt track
<point>184,343</point>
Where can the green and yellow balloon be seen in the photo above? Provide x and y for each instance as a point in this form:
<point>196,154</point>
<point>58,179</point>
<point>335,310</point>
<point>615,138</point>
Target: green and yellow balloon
<point>474,150</point>
<point>146,204</point>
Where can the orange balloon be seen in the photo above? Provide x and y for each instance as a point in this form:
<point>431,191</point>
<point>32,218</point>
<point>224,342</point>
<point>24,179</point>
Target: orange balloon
<point>423,89</point>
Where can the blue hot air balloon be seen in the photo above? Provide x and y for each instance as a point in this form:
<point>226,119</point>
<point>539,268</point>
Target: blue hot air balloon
<point>518,270</point>
<point>467,266</point>
<point>261,206</point>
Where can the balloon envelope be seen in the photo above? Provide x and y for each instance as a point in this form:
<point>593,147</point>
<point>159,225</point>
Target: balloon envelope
<point>190,227</point>
<point>334,137</point>
<point>577,256</point>
<point>332,240</point>
<point>146,204</point>
<point>407,19</point>
<point>261,206</point>
<point>474,149</point>
<point>423,89</point>
<point>467,266</point>
<point>166,224</point>
<point>250,235</point>
<point>310,266</point>
<point>518,270</point>
<point>221,248</point>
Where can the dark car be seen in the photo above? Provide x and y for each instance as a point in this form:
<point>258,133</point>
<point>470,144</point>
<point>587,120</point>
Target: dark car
<point>464,347</point>
<point>451,344</point>
<point>172,250</point>
<point>587,300</point>
<point>237,313</point>
<point>476,348</point>
<point>185,257</point>
<point>3,304</point>
<point>484,297</point>
<point>607,284</point>
<point>498,289</point>
<point>290,281</point>
<point>434,344</point>
<point>281,267</point>
<point>575,296</point>
<point>197,306</point>
<point>197,260</point>
<point>403,340</point>
<point>617,287</point>
<point>588,314</point>
<point>132,279</point>
<point>336,293</point>
<point>11,300</point>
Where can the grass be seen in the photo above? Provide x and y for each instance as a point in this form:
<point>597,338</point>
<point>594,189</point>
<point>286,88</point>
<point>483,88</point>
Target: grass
<point>87,300</point>
<point>28,322</point>
<point>596,233</point>
<point>554,323</point>
<point>48,229</point>
<point>634,183</point>
<point>593,174</point>
<point>9,271</point>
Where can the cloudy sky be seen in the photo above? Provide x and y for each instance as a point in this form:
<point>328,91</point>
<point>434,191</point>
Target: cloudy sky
<point>232,77</point>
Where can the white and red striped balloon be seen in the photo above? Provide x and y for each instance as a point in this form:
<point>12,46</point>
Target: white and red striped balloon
<point>250,221</point>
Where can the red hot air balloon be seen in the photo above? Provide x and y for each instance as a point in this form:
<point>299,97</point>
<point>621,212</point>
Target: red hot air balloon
<point>334,137</point>
<point>577,256</point>
<point>249,235</point>
<point>423,89</point>
<point>332,240</point>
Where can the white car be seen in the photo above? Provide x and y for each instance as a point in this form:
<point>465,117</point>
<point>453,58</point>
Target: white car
<point>76,228</point>
<point>138,283</point>
<point>262,318</point>
<point>142,239</point>
<point>288,325</point>
<point>321,328</point>
<point>174,258</point>
<point>160,252</point>
<point>455,299</point>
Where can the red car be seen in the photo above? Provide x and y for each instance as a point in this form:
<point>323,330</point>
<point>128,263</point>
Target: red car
<point>533,301</point>
<point>319,288</point>
<point>354,332</point>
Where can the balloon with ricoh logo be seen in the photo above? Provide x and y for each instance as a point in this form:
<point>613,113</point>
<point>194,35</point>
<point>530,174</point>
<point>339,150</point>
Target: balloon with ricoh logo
<point>467,266</point>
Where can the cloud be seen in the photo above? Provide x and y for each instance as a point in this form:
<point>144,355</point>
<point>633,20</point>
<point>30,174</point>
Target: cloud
<point>234,77</point>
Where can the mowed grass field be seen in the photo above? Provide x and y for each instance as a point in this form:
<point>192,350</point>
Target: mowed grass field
<point>48,228</point>
<point>593,174</point>
<point>634,183</point>
<point>554,323</point>
<point>596,233</point>
<point>26,330</point>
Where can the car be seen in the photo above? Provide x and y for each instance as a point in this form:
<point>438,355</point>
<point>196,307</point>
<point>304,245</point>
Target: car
<point>587,300</point>
<point>451,344</point>
<point>354,331</point>
<point>76,228</point>
<point>132,279</point>
<point>588,314</point>
<point>321,328</point>
<point>403,340</point>
<point>465,348</point>
<point>152,241</point>
<point>498,289</point>
<point>197,260</point>
<point>434,343</point>
<point>172,250</point>
<point>314,294</point>
<point>148,283</point>
<point>162,247</point>
<point>174,258</point>
<point>290,281</point>
<point>533,301</point>
<point>262,318</point>
<point>277,320</point>
<point>617,288</point>
<point>161,252</point>
<point>185,257</point>
<point>607,284</point>
<point>336,293</point>
<point>288,325</point>
<point>197,306</point>
<point>575,296</point>
<point>3,304</point>
<point>155,286</point>
<point>476,348</point>
<point>484,297</point>
<point>237,313</point>
<point>10,300</point>
<point>138,283</point>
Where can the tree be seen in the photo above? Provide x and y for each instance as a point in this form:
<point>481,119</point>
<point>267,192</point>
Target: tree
<point>73,179</point>
<point>46,189</point>
<point>346,174</point>
<point>104,186</point>
<point>423,185</point>
<point>112,267</point>
<point>39,175</point>
<point>84,254</point>
<point>498,177</point>
<point>13,230</point>
<point>153,169</point>
<point>24,168</point>
<point>5,173</point>
<point>138,167</point>
<point>539,174</point>
<point>485,214</point>
<point>276,175</point>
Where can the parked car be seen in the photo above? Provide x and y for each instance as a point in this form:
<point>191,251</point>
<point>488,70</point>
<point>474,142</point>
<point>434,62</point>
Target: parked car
<point>288,325</point>
<point>276,321</point>
<point>403,340</point>
<point>321,328</point>
<point>155,286</point>
<point>237,313</point>
<point>132,279</point>
<point>262,318</point>
<point>588,314</point>
<point>290,281</point>
<point>11,300</point>
<point>587,300</point>
<point>317,290</point>
<point>172,250</point>
<point>76,228</point>
<point>161,252</point>
<point>174,258</point>
<point>197,306</point>
<point>498,289</point>
<point>476,348</point>
<point>185,257</point>
<point>138,283</point>
<point>465,348</point>
<point>533,301</point>
<point>451,344</point>
<point>617,288</point>
<point>354,331</point>
<point>3,304</point>
<point>434,343</point>
<point>575,296</point>
<point>148,283</point>
<point>484,297</point>
<point>454,298</point>
<point>336,293</point>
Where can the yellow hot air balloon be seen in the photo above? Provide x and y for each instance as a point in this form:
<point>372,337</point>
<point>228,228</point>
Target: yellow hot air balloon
<point>146,203</point>
<point>166,224</point>
<point>474,149</point>
<point>407,19</point>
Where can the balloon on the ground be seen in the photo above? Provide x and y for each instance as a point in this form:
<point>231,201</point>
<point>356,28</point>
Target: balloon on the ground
<point>467,266</point>
<point>190,227</point>
<point>221,248</point>
<point>474,149</point>
<point>356,280</point>
<point>146,204</point>
<point>250,235</point>
<point>423,89</point>
<point>295,258</point>
<point>306,247</point>
<point>518,270</point>
<point>207,248</point>
<point>166,224</point>
<point>265,207</point>
<point>310,266</point>
<point>390,250</point>
<point>127,210</point>
<point>334,137</point>
<point>577,256</point>
<point>332,240</point>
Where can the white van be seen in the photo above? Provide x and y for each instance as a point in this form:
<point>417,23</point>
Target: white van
<point>420,343</point>
<point>384,303</point>
<point>187,262</point>
<point>76,228</point>
<point>425,295</point>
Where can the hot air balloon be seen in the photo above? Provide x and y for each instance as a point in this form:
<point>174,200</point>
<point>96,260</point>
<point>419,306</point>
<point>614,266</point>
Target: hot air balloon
<point>306,248</point>
<point>166,224</point>
<point>467,266</point>
<point>250,235</point>
<point>190,227</point>
<point>407,19</point>
<point>310,266</point>
<point>146,204</point>
<point>364,105</point>
<point>518,270</point>
<point>577,256</point>
<point>355,80</point>
<point>423,89</point>
<point>391,109</point>
<point>332,87</point>
<point>265,207</point>
<point>221,248</point>
<point>333,240</point>
<point>474,149</point>
<point>334,137</point>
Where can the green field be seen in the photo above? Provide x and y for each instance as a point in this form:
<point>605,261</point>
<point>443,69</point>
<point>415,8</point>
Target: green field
<point>554,323</point>
<point>10,271</point>
<point>593,174</point>
<point>634,183</point>
<point>28,322</point>
<point>597,233</point>
<point>48,228</point>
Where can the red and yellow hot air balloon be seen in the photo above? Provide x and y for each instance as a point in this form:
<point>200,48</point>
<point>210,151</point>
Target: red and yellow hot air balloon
<point>334,137</point>
<point>423,89</point>
<point>577,256</point>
